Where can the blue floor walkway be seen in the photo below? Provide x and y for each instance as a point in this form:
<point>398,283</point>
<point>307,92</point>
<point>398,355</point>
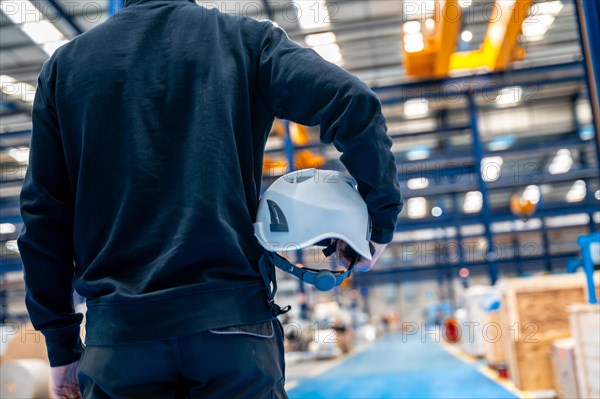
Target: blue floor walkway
<point>391,368</point>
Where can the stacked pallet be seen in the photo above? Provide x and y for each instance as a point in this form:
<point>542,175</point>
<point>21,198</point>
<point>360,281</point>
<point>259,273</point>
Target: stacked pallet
<point>533,315</point>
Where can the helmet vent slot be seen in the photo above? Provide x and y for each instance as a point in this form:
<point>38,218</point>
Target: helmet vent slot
<point>278,220</point>
<point>300,179</point>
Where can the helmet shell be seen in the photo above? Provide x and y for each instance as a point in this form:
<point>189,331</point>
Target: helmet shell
<point>304,207</point>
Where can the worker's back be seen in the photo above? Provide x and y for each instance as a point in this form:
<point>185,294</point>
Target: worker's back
<point>163,132</point>
<point>145,169</point>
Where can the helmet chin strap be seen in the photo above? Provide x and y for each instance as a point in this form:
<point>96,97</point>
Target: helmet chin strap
<point>323,280</point>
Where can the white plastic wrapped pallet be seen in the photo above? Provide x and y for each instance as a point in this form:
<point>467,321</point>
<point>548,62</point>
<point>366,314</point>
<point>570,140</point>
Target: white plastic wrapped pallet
<point>25,379</point>
<point>477,300</point>
<point>584,322</point>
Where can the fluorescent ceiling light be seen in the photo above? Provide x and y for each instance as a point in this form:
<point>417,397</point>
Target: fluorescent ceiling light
<point>312,14</point>
<point>411,27</point>
<point>491,168</point>
<point>473,202</point>
<point>20,154</point>
<point>11,87</point>
<point>42,32</point>
<point>325,45</point>
<point>11,246</point>
<point>32,23</point>
<point>532,194</point>
<point>5,79</point>
<point>509,96</point>
<point>542,17</point>
<point>534,28</point>
<point>501,143</point>
<point>561,163</point>
<point>50,48</point>
<point>586,133</point>
<point>416,108</point>
<point>418,183</point>
<point>496,33</point>
<point>7,228</point>
<point>466,36</point>
<point>430,24</point>
<point>577,192</point>
<point>465,3</point>
<point>417,207</point>
<point>414,42</point>
<point>418,153</point>
<point>20,11</point>
<point>320,39</point>
<point>436,211</point>
<point>330,52</point>
<point>548,7</point>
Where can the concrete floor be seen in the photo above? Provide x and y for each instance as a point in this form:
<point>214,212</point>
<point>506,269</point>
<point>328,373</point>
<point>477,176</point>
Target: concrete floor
<point>394,366</point>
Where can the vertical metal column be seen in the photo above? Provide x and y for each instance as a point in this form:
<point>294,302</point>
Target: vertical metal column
<point>583,158</point>
<point>588,18</point>
<point>3,301</point>
<point>68,18</point>
<point>459,238</point>
<point>546,244</point>
<point>288,146</point>
<point>517,256</point>
<point>490,255</point>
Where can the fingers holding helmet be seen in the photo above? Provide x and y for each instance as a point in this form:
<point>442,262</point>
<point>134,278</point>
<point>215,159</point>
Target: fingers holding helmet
<point>363,264</point>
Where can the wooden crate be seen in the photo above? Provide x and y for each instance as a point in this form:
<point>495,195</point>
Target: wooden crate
<point>585,327</point>
<point>533,314</point>
<point>22,342</point>
<point>533,361</point>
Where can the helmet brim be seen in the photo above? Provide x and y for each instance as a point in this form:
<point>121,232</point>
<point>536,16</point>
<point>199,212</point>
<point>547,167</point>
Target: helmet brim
<point>362,247</point>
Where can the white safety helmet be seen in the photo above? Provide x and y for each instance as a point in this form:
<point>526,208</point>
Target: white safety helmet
<point>308,206</point>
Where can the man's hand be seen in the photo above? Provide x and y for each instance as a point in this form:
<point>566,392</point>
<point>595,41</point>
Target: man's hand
<point>364,265</point>
<point>64,381</point>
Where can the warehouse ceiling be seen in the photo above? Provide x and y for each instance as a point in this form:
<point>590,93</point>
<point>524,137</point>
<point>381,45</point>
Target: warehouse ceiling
<point>362,36</point>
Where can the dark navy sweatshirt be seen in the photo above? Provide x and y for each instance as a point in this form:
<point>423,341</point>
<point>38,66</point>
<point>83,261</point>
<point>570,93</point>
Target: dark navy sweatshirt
<point>145,170</point>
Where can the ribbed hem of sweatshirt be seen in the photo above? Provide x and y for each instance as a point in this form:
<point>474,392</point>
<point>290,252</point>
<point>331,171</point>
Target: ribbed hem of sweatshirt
<point>64,345</point>
<point>192,310</point>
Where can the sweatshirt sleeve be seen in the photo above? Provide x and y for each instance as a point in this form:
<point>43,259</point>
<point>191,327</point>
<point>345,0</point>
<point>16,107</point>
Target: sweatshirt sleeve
<point>45,242</point>
<point>302,87</point>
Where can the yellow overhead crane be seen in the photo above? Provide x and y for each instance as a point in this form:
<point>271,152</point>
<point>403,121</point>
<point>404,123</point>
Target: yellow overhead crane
<point>429,48</point>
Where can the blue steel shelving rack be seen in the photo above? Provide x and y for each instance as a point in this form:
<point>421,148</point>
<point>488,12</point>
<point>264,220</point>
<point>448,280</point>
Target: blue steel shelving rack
<point>477,85</point>
<point>394,94</point>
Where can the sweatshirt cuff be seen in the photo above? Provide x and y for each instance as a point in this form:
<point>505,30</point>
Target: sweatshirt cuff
<point>382,236</point>
<point>63,344</point>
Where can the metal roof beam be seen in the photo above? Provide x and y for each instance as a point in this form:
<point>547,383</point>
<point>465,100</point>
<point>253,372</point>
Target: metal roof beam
<point>66,16</point>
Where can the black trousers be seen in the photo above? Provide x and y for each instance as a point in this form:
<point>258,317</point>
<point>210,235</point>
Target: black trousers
<point>234,362</point>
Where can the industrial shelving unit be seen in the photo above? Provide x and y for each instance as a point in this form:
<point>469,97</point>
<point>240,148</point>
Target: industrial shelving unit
<point>443,168</point>
<point>456,144</point>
